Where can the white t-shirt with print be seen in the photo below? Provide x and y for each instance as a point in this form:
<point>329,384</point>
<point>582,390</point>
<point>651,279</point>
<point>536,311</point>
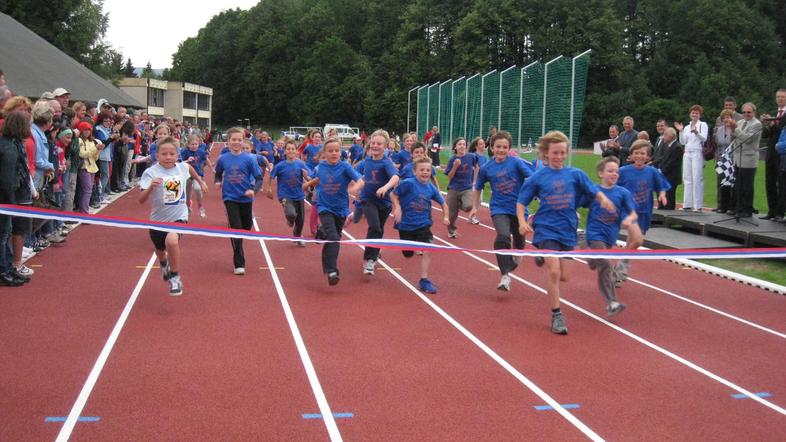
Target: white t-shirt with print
<point>167,201</point>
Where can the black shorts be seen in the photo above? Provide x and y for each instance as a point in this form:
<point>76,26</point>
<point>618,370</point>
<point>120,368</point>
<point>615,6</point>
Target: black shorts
<point>159,237</point>
<point>420,235</point>
<point>550,244</point>
<point>21,226</point>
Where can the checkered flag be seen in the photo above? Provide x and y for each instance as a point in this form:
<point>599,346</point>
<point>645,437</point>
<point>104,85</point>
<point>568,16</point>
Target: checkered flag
<point>725,168</point>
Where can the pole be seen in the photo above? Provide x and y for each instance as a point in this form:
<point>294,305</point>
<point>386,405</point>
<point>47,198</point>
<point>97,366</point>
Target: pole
<point>482,93</point>
<point>573,103</point>
<point>409,106</point>
<point>453,102</point>
<point>466,103</point>
<point>545,85</point>
<point>521,96</point>
<point>499,114</point>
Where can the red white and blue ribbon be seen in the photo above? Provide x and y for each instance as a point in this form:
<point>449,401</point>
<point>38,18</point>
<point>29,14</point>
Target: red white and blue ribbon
<point>384,243</point>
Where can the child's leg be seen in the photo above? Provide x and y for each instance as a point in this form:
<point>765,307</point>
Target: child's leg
<point>605,274</point>
<point>503,225</point>
<point>453,209</point>
<point>425,262</point>
<point>564,265</point>
<point>554,269</point>
<point>331,231</point>
<point>376,217</point>
<point>172,252</point>
<point>198,192</point>
<point>635,239</point>
<point>290,212</point>
<point>299,207</point>
<point>189,188</point>
<point>313,220</point>
<point>235,221</point>
<point>465,200</point>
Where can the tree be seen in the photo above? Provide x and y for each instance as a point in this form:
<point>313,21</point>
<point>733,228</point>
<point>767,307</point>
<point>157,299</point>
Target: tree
<point>128,69</point>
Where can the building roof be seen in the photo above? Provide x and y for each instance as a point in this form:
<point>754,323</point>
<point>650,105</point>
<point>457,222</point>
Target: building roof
<point>32,65</point>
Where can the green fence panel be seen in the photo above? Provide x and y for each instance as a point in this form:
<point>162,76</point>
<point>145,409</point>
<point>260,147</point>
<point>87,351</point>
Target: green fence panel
<point>459,102</point>
<point>532,103</point>
<point>422,115</point>
<point>509,104</point>
<point>558,87</point>
<point>443,120</point>
<point>490,115</point>
<point>581,70</point>
<point>473,107</point>
<point>433,105</point>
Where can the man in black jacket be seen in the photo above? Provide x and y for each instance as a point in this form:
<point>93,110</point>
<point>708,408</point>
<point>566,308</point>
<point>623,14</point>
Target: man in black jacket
<point>773,125</point>
<point>671,166</point>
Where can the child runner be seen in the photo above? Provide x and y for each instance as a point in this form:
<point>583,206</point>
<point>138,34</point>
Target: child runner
<point>311,151</point>
<point>356,151</point>
<point>379,175</point>
<point>280,154</point>
<point>196,156</point>
<point>641,180</point>
<point>261,159</point>
<point>288,175</point>
<point>404,156</point>
<point>478,148</point>
<point>332,180</point>
<point>408,171</point>
<point>558,188</point>
<point>412,214</point>
<point>603,228</point>
<point>236,173</point>
<point>506,175</point>
<point>461,171</point>
<point>165,185</point>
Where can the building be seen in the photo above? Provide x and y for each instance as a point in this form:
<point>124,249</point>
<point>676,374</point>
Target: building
<point>183,101</point>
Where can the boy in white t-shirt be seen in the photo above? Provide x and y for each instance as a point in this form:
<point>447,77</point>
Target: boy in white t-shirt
<point>165,185</point>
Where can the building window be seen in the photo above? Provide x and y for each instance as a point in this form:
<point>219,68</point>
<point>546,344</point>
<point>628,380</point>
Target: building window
<point>155,97</point>
<point>204,102</point>
<point>203,123</point>
<point>189,100</point>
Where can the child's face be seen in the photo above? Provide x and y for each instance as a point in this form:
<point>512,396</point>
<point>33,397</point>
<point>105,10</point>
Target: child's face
<point>376,146</point>
<point>610,174</point>
<point>500,149</point>
<point>461,147</point>
<point>316,139</point>
<point>247,147</point>
<point>556,154</point>
<point>280,144</point>
<point>423,172</point>
<point>193,145</point>
<point>67,139</point>
<point>236,142</point>
<point>392,145</point>
<point>167,155</point>
<point>418,153</point>
<point>162,133</point>
<point>332,153</point>
<point>639,157</point>
<point>408,142</point>
<point>291,151</point>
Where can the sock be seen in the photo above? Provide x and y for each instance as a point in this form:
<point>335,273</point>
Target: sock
<point>556,312</point>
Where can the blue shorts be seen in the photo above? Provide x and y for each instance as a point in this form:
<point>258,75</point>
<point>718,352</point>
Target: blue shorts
<point>550,244</point>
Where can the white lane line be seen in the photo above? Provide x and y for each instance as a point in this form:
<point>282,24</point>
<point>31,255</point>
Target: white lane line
<point>92,378</point>
<point>491,353</point>
<point>683,298</point>
<point>316,387</point>
<point>641,340</point>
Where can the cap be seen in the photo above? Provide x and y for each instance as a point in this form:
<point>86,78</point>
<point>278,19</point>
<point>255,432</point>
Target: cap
<point>60,92</point>
<point>102,102</point>
<point>84,126</point>
<point>47,96</point>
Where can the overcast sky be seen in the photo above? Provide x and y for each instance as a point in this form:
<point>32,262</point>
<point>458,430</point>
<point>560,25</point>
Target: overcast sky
<point>148,30</point>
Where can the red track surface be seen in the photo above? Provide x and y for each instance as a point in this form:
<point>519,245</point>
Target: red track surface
<point>220,361</point>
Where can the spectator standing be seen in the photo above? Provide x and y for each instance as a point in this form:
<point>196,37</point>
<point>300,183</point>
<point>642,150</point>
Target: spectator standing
<point>671,166</point>
<point>747,135</point>
<point>773,125</point>
<point>434,146</point>
<point>693,138</point>
<point>723,134</point>
<point>658,149</point>
<point>626,139</point>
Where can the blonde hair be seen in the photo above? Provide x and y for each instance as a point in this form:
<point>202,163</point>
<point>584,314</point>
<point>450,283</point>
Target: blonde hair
<point>15,102</point>
<point>551,137</point>
<point>381,133</point>
<point>331,140</point>
<point>196,138</point>
<point>641,144</point>
<point>235,130</point>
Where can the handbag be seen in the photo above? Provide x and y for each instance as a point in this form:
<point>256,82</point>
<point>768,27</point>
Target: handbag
<point>46,197</point>
<point>709,146</point>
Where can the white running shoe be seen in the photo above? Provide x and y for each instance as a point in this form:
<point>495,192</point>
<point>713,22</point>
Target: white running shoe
<point>25,271</point>
<point>504,283</point>
<point>175,286</point>
<point>301,243</point>
<point>474,220</point>
<point>369,266</point>
<point>239,271</point>
<point>202,212</point>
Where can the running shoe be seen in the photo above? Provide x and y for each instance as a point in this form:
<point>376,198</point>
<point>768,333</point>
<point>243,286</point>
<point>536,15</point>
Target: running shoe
<point>614,307</point>
<point>427,286</point>
<point>239,271</point>
<point>175,286</point>
<point>504,283</point>
<point>474,220</point>
<point>333,278</point>
<point>452,234</point>
<point>369,267</point>
<point>25,271</point>
<point>301,243</point>
<point>202,212</point>
<point>558,325</point>
<point>165,272</point>
<point>539,261</point>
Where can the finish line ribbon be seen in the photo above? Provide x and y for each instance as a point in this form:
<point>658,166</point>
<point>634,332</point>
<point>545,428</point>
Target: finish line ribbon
<point>384,243</point>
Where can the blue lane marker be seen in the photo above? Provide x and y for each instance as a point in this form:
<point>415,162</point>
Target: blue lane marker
<point>81,419</point>
<point>549,407</point>
<point>759,394</point>
<point>335,415</point>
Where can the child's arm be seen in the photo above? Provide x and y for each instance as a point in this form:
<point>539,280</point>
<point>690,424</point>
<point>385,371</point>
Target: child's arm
<point>524,227</point>
<point>475,203</point>
<point>356,187</point>
<point>219,173</point>
<point>269,188</point>
<point>606,203</point>
<point>192,172</point>
<point>310,183</point>
<point>662,197</point>
<point>396,208</point>
<point>452,168</point>
<point>445,211</point>
<point>145,194</point>
<point>392,182</point>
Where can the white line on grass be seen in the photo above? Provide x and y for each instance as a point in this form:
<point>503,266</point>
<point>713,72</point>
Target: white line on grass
<point>92,378</point>
<point>491,353</point>
<point>641,340</point>
<point>316,387</point>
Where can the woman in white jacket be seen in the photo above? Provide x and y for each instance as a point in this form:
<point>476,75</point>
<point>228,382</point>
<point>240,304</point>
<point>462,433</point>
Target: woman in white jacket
<point>693,137</point>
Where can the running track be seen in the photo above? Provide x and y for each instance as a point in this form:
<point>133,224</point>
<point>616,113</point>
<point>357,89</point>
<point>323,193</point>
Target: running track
<point>469,363</point>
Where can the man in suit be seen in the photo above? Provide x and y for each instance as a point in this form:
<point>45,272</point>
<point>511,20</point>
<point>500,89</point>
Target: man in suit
<point>626,139</point>
<point>659,149</point>
<point>773,125</point>
<point>671,166</point>
<point>746,139</point>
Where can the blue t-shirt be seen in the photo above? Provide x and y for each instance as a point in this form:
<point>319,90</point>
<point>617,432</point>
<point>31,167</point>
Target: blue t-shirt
<point>312,153</point>
<point>377,173</point>
<point>408,172</point>
<point>462,180</point>
<point>482,159</point>
<point>289,176</point>
<point>403,158</point>
<point>224,150</point>
<point>200,158</point>
<point>506,179</point>
<point>356,152</point>
<point>415,200</point>
<point>603,225</point>
<point>268,149</point>
<point>237,174</point>
<point>332,194</point>
<point>559,191</point>
<point>642,183</point>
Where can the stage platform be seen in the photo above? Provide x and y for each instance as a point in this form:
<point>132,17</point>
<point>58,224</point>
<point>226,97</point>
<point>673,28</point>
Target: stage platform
<point>678,229</point>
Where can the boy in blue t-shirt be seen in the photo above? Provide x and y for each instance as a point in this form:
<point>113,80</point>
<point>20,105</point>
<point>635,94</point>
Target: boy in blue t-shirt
<point>289,175</point>
<point>642,181</point>
<point>506,175</point>
<point>236,173</point>
<point>197,158</point>
<point>356,152</point>
<point>264,146</point>
<point>262,162</point>
<point>379,175</point>
<point>559,189</point>
<point>461,171</point>
<point>311,152</point>
<point>412,214</point>
<point>603,227</point>
<point>332,177</point>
